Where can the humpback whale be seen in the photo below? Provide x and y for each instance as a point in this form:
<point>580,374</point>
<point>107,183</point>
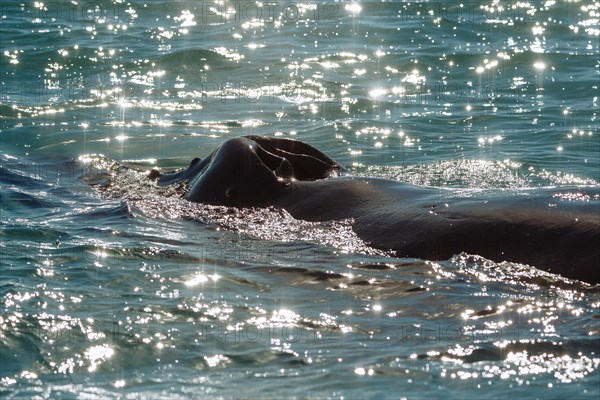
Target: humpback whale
<point>553,229</point>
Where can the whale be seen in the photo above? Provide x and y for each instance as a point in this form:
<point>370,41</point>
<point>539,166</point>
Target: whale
<point>552,229</point>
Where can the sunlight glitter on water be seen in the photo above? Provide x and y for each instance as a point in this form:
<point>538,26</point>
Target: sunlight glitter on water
<point>200,279</point>
<point>193,76</point>
<point>96,355</point>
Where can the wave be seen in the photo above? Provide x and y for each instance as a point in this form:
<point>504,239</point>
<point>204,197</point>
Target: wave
<point>191,60</point>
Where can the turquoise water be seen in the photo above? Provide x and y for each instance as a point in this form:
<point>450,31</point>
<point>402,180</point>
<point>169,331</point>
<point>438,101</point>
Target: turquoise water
<point>132,292</point>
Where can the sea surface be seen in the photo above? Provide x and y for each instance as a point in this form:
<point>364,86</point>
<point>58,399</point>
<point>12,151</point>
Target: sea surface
<point>113,288</point>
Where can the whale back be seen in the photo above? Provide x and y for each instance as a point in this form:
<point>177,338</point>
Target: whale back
<point>536,228</point>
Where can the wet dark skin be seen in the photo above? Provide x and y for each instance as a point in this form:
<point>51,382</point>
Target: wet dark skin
<point>539,227</point>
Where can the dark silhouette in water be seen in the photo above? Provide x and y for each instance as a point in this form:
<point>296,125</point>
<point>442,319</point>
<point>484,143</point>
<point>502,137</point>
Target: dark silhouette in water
<point>540,227</point>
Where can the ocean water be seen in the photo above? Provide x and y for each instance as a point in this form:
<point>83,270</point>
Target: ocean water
<point>114,288</point>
